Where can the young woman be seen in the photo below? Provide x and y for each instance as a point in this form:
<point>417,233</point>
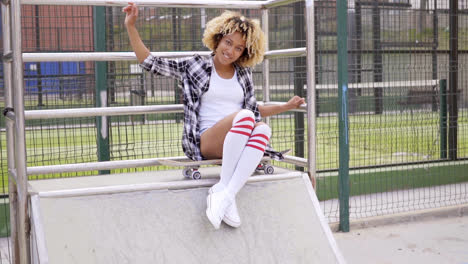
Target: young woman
<point>222,118</point>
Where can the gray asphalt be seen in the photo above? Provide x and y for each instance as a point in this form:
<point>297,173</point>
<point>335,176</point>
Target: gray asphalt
<point>436,240</point>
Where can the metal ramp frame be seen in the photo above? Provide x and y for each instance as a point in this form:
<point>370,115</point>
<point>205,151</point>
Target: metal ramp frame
<point>162,220</point>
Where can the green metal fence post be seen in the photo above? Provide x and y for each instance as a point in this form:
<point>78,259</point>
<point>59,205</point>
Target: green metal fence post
<point>299,80</point>
<point>102,124</point>
<point>342,9</point>
<point>453,81</point>
<point>443,118</point>
<point>435,47</point>
<point>377,55</point>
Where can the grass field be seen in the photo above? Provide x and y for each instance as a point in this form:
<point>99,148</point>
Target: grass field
<point>368,181</point>
<point>374,140</point>
<point>391,138</point>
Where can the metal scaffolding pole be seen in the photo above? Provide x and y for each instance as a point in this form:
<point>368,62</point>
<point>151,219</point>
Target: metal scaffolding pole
<point>102,123</point>
<point>10,137</point>
<point>310,38</point>
<point>342,14</point>
<point>299,81</point>
<point>453,81</point>
<point>20,139</point>
<point>266,61</point>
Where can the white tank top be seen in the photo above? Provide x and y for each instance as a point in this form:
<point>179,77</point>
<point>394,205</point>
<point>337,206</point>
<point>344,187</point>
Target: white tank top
<point>224,97</point>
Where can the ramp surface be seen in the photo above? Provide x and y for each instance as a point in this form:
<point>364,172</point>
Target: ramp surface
<point>280,224</point>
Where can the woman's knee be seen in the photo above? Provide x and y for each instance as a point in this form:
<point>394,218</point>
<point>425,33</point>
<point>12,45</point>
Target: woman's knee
<point>244,113</point>
<point>262,128</point>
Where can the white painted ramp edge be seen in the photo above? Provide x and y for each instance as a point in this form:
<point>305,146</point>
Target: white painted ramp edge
<point>307,191</point>
<point>323,221</point>
<point>39,246</point>
<point>138,187</point>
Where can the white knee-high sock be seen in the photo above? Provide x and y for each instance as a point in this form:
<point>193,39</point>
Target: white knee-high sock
<point>234,144</point>
<point>250,157</point>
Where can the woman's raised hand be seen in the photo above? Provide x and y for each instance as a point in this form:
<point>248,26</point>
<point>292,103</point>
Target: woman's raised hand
<point>132,13</point>
<point>295,102</point>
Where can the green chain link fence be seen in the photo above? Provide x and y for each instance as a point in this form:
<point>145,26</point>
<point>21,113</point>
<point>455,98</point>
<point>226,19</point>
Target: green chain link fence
<point>399,63</point>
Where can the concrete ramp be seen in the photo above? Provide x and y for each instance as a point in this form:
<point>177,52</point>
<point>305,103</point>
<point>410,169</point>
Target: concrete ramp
<point>165,222</point>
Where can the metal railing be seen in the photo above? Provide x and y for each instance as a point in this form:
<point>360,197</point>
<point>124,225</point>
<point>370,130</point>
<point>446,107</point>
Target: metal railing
<point>16,115</point>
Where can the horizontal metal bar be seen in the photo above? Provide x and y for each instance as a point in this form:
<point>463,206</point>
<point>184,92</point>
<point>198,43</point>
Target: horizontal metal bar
<point>118,111</point>
<point>382,4</point>
<point>102,111</point>
<point>391,51</point>
<point>102,56</point>
<point>103,165</point>
<point>130,56</point>
<point>285,53</point>
<point>122,164</point>
<point>394,166</point>
<point>156,186</point>
<point>370,85</point>
<point>296,160</point>
<point>155,3</point>
<point>173,3</point>
<point>277,3</point>
<point>393,44</point>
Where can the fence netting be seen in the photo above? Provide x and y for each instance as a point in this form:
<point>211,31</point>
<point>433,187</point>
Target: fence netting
<point>402,156</point>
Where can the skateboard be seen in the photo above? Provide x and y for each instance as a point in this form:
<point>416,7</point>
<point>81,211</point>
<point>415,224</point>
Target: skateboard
<point>191,167</point>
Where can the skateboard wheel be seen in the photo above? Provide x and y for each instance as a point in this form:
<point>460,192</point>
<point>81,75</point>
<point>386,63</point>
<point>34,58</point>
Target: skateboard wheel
<point>269,169</point>
<point>196,175</point>
<point>259,167</point>
<point>187,172</point>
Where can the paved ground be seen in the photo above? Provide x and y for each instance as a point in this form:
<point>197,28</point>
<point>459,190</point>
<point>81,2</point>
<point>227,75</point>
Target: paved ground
<point>429,241</point>
<point>438,237</point>
<point>4,250</point>
<point>437,240</point>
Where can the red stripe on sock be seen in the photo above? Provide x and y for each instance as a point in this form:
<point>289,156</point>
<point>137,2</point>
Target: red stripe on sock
<point>240,132</point>
<point>260,135</point>
<point>246,119</point>
<point>258,141</point>
<point>256,147</point>
<point>244,126</point>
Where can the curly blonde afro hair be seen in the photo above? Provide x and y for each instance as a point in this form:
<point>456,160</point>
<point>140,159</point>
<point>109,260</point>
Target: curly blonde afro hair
<point>230,22</point>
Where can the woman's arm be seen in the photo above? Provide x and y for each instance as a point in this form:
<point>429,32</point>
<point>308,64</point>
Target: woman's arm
<point>269,110</point>
<point>141,51</point>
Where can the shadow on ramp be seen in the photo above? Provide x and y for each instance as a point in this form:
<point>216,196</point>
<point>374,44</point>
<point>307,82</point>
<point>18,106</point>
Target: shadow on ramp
<point>166,223</point>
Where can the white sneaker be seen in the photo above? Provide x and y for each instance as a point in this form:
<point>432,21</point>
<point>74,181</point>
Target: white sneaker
<point>231,217</point>
<point>217,203</point>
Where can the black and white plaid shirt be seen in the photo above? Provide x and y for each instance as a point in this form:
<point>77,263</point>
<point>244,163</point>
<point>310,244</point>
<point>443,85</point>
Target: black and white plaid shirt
<point>194,74</point>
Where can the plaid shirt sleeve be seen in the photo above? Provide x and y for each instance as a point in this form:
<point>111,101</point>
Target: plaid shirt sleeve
<point>166,67</point>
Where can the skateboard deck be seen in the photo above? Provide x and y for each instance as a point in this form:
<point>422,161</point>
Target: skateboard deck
<point>191,167</point>
<point>193,163</point>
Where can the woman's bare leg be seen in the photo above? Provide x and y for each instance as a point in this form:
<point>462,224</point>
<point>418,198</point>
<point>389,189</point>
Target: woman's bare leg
<point>227,140</point>
<point>212,140</point>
